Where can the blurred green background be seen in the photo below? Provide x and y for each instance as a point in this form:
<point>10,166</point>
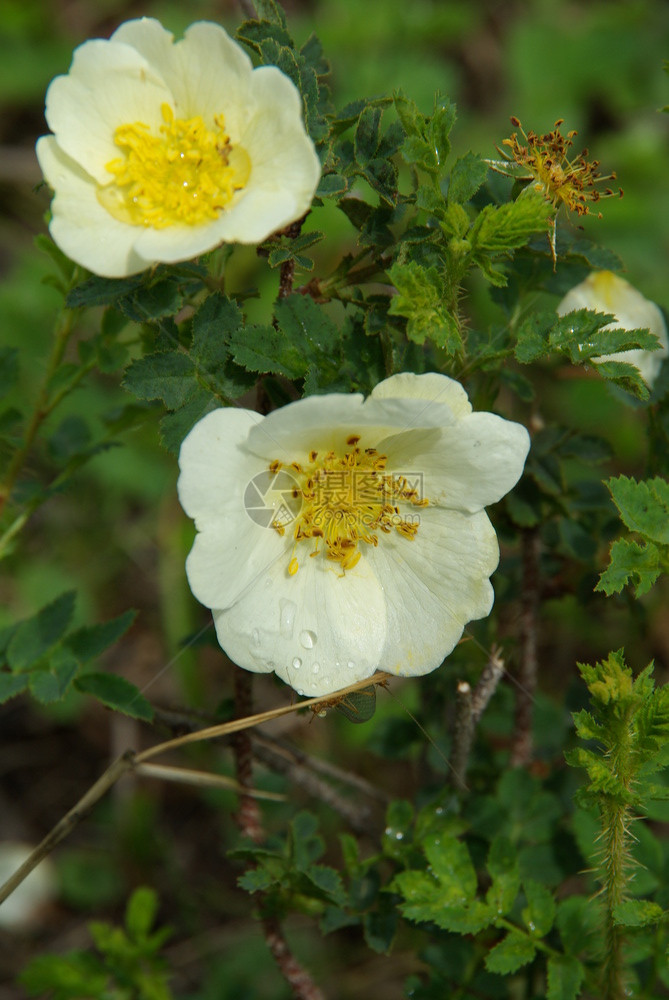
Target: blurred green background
<point>120,538</point>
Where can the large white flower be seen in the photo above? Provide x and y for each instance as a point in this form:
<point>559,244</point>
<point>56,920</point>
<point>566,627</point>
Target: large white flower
<point>161,151</point>
<point>606,292</point>
<point>339,535</point>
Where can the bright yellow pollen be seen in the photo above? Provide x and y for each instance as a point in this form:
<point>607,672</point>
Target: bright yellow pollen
<point>186,175</point>
<point>347,500</point>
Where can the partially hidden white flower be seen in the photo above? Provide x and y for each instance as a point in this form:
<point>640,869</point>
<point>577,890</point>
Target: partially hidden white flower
<point>163,150</point>
<point>606,292</point>
<point>341,535</point>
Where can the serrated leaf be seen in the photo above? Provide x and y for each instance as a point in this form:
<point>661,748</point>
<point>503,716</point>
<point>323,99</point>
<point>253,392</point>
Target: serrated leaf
<point>451,864</point>
<point>366,139</point>
<point>176,425</point>
<point>632,563</point>
<point>331,186</point>
<point>50,681</point>
<point>264,349</point>
<point>169,376</point>
<point>91,640</point>
<point>11,685</point>
<point>512,952</point>
<point>37,635</point>
<point>637,913</point>
<point>504,871</point>
<point>421,299</point>
<point>96,291</point>
<point>539,914</point>
<point>565,977</point>
<point>256,880</point>
<point>117,693</point>
<point>505,227</point>
<point>328,881</point>
<point>379,930</point>
<point>468,174</point>
<point>643,506</point>
<point>532,334</point>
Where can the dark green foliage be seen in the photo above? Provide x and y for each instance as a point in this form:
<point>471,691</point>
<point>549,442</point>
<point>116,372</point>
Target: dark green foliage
<point>126,962</point>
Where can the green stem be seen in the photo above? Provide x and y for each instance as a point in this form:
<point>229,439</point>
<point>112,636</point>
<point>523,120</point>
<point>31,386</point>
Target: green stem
<point>43,406</point>
<point>614,824</point>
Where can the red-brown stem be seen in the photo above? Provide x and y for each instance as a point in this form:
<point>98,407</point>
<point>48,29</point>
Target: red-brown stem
<point>521,749</point>
<point>248,817</point>
<point>299,980</point>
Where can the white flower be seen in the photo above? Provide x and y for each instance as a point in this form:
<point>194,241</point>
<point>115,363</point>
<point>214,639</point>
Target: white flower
<point>605,292</point>
<point>162,151</point>
<point>338,536</point>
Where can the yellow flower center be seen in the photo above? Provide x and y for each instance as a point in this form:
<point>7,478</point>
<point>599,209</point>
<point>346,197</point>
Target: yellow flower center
<point>185,175</point>
<point>347,500</point>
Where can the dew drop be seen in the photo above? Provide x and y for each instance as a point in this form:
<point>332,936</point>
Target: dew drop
<point>271,664</point>
<point>287,617</point>
<point>350,664</point>
<point>300,691</point>
<point>255,637</point>
<point>297,662</point>
<point>316,667</point>
<point>308,638</point>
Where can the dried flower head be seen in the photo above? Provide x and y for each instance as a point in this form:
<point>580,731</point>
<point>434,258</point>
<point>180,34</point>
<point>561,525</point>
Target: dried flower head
<point>575,182</point>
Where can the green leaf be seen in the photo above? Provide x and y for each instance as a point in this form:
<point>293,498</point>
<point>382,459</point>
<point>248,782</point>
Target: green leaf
<point>97,291</point>
<point>37,635</point>
<point>468,174</point>
<point>11,685</point>
<point>175,426</point>
<point>272,11</point>
<point>539,914</point>
<point>366,140</point>
<point>306,844</point>
<point>141,912</point>
<point>632,563</point>
<point>451,864</point>
<point>505,227</point>
<point>512,952</point>
<point>50,682</point>
<point>421,299</point>
<point>168,375</point>
<point>565,977</point>
<point>332,186</point>
<point>328,881</point>
<point>379,930</point>
<point>503,869</point>
<point>91,640</point>
<point>643,506</point>
<point>532,334</point>
<point>117,693</point>
<point>256,880</point>
<point>637,913</point>
<point>264,349</point>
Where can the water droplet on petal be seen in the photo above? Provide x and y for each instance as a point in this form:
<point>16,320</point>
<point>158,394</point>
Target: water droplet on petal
<point>255,637</point>
<point>308,638</point>
<point>350,664</point>
<point>316,667</point>
<point>287,617</point>
<point>297,662</point>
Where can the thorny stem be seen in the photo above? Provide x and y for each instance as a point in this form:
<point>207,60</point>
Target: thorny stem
<point>614,824</point>
<point>250,823</point>
<point>299,980</point>
<point>521,750</point>
<point>463,734</point>
<point>248,817</point>
<point>43,406</point>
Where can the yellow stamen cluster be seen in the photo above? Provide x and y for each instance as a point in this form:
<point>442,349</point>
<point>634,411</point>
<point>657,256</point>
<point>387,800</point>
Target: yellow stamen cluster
<point>347,500</point>
<point>545,157</point>
<point>185,175</point>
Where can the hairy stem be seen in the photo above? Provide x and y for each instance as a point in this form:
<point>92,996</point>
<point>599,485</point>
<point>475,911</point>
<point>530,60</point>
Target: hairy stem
<point>521,750</point>
<point>248,817</point>
<point>299,980</point>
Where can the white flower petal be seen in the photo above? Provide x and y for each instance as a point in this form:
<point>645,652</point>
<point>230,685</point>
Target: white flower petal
<point>127,80</point>
<point>80,226</point>
<point>325,422</point>
<point>322,605</point>
<point>606,292</point>
<point>108,85</point>
<point>318,630</point>
<point>431,387</point>
<point>434,584</point>
<point>466,466</point>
